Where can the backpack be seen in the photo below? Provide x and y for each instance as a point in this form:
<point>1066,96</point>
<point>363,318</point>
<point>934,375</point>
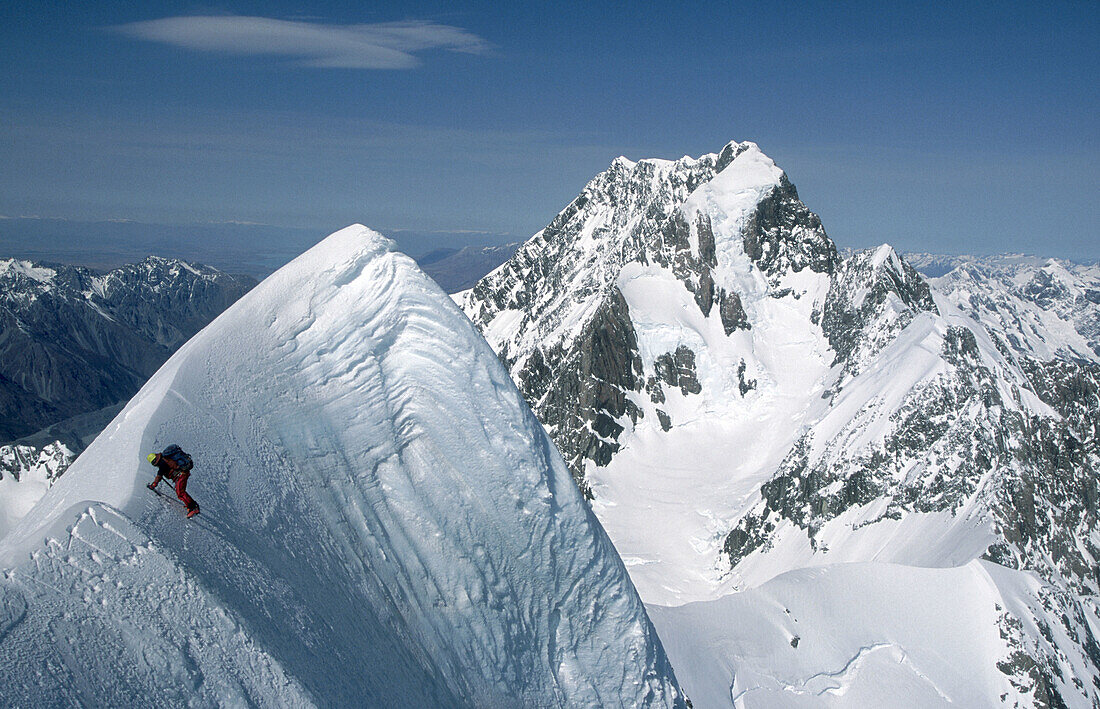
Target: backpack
<point>176,455</point>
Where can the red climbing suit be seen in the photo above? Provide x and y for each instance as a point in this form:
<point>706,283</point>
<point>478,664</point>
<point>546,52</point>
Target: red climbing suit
<point>167,468</point>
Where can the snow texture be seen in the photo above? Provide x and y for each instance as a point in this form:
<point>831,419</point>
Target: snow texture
<point>384,522</point>
<point>864,635</point>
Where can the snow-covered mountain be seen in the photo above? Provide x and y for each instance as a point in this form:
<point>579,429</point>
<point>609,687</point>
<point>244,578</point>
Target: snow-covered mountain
<point>1039,308</point>
<point>75,345</point>
<point>740,402</point>
<point>384,523</point>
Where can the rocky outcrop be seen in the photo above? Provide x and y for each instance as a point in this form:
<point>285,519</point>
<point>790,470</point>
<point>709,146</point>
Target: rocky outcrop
<point>677,369</point>
<point>783,235</point>
<point>581,395</point>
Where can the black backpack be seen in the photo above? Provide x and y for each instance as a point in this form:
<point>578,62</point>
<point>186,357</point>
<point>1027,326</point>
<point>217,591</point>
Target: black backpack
<point>176,455</point>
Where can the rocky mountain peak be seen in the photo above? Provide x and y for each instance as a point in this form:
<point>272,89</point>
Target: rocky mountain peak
<point>727,228</point>
<point>739,401</point>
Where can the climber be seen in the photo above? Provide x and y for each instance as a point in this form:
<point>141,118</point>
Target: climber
<point>175,465</point>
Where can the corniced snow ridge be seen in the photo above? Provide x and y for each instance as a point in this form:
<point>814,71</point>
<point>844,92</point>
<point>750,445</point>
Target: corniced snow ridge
<point>383,522</point>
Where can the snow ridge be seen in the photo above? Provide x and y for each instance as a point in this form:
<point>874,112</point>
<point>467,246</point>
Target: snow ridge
<point>76,345</point>
<point>376,496</point>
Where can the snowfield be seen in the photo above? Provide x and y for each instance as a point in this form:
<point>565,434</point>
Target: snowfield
<point>384,522</point>
<point>861,635</point>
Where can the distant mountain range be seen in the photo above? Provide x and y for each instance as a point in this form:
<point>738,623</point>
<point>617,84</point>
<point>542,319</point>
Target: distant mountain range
<point>459,269</point>
<point>236,247</point>
<point>75,341</point>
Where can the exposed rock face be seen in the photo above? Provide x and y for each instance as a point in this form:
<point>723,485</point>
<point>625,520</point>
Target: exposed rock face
<point>569,289</point>
<point>677,369</point>
<point>783,235</point>
<point>584,395</point>
<point>1072,388</point>
<point>782,406</point>
<point>1041,318</point>
<point>874,296</point>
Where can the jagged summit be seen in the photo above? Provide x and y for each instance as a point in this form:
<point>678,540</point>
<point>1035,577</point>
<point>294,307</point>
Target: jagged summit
<point>702,242</point>
<point>720,159</point>
<point>740,402</point>
<point>383,521</point>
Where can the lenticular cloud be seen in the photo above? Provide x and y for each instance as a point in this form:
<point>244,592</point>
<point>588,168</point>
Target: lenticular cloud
<point>386,45</point>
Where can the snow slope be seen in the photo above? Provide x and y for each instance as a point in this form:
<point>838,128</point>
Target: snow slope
<point>724,440</point>
<point>384,521</point>
<point>75,345</point>
<point>870,635</point>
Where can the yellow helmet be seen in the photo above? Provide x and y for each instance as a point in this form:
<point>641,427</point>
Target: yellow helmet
<point>152,458</point>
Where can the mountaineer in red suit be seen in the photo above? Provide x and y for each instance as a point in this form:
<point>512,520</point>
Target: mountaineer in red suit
<point>175,465</point>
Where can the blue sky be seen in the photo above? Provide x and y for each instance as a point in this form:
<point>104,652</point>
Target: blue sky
<point>966,127</point>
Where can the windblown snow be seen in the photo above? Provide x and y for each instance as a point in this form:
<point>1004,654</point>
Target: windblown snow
<point>384,522</point>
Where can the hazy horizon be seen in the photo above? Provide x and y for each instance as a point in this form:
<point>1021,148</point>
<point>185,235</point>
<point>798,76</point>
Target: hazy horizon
<point>962,128</point>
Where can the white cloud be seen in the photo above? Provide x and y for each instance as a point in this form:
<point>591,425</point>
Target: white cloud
<point>386,45</point>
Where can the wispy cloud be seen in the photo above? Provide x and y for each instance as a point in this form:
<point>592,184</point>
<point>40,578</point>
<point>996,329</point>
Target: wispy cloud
<point>386,45</point>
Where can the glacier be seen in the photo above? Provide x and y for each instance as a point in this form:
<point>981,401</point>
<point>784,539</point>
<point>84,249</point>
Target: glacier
<point>871,635</point>
<point>384,521</point>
